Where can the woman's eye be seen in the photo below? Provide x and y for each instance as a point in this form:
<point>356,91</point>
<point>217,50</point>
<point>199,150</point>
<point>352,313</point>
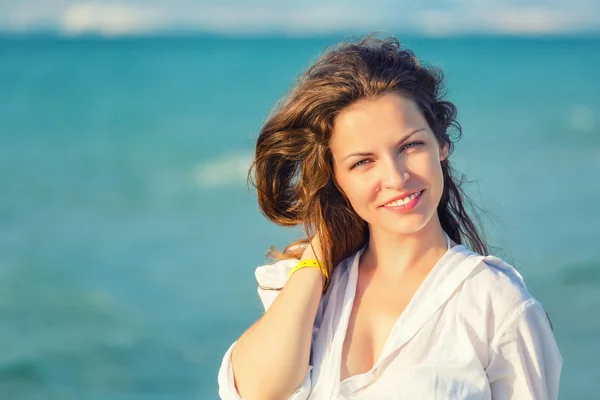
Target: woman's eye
<point>411,144</point>
<point>358,164</point>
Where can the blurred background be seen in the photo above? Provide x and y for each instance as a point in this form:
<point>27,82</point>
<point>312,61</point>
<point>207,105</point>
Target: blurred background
<point>128,235</point>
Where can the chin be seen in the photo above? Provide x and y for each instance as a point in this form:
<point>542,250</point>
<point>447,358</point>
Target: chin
<point>404,224</point>
<point>405,229</point>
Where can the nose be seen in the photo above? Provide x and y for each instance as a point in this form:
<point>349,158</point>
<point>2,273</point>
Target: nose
<point>394,173</point>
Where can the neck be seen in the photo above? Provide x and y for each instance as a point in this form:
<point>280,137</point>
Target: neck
<point>393,256</point>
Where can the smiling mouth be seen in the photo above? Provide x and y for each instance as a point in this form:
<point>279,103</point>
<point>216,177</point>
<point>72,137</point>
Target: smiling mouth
<point>403,202</point>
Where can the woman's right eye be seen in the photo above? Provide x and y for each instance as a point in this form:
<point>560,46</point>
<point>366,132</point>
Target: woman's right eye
<point>361,162</point>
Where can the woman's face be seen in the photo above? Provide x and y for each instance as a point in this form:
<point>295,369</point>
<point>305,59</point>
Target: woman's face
<point>387,161</point>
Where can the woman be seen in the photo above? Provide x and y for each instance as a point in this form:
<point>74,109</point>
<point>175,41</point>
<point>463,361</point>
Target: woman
<point>386,301</point>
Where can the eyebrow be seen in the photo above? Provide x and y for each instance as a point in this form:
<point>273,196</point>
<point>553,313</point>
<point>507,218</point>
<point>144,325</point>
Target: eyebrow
<point>404,139</point>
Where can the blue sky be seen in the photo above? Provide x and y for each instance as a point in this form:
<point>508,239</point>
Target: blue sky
<point>300,18</point>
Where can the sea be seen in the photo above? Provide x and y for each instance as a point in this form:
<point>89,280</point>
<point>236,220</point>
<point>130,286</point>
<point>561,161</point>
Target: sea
<point>129,234</point>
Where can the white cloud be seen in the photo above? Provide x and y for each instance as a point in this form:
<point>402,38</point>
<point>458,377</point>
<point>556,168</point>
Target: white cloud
<point>109,19</point>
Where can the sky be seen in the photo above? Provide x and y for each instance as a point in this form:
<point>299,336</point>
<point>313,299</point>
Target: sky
<point>300,18</point>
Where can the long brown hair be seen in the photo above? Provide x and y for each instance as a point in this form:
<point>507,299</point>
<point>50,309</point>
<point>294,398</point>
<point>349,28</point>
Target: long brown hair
<point>293,168</point>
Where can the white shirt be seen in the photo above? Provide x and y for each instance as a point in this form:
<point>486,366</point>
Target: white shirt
<point>471,331</point>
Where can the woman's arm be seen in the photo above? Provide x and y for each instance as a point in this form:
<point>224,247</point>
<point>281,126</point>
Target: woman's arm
<point>270,360</point>
<point>525,362</point>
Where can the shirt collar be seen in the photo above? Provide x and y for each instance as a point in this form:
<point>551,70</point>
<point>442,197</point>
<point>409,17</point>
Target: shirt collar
<point>436,289</point>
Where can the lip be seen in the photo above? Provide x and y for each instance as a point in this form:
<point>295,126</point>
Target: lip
<point>405,207</point>
<point>400,197</point>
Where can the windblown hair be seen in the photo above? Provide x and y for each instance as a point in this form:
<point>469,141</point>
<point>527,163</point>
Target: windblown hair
<point>293,167</point>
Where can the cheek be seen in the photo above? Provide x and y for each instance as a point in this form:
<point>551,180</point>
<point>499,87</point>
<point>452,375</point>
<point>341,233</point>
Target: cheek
<point>426,166</point>
<point>359,190</point>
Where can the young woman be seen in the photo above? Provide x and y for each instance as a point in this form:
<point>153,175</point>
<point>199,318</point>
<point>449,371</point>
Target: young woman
<point>392,297</point>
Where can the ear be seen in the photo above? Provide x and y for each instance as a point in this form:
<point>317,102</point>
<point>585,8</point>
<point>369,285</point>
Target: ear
<point>444,151</point>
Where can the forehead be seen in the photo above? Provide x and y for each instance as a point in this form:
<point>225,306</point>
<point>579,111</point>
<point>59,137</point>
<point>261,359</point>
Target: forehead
<point>368,121</point>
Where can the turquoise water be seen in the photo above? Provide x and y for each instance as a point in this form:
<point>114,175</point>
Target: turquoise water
<point>128,237</point>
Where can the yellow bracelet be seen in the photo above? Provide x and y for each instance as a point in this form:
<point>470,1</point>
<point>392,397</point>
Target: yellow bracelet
<point>312,263</point>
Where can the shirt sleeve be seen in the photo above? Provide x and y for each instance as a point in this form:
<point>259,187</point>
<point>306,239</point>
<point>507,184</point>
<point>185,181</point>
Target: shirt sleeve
<point>228,391</point>
<point>525,362</point>
<point>270,280</point>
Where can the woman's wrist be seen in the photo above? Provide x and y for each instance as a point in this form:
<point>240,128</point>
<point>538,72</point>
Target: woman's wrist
<point>315,265</point>
<point>311,273</point>
<point>312,255</point>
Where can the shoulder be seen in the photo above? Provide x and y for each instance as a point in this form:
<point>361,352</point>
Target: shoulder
<point>498,280</point>
<point>487,277</point>
<point>496,291</point>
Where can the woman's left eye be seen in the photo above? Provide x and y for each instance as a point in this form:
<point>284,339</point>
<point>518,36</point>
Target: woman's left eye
<point>411,144</point>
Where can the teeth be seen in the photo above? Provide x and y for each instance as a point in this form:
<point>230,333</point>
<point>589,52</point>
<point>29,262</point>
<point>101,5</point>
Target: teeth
<point>402,202</point>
